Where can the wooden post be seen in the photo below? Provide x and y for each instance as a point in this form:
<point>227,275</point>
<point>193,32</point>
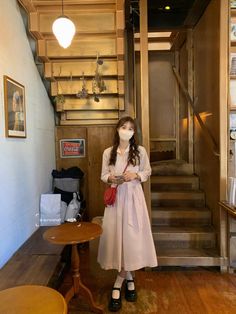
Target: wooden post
<point>223,114</point>
<point>177,109</point>
<point>145,90</point>
<point>190,90</point>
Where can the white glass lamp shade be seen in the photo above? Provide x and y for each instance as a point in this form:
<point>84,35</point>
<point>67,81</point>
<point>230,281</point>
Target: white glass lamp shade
<point>64,30</point>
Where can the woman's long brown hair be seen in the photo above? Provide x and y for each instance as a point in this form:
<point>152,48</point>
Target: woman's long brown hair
<point>134,156</point>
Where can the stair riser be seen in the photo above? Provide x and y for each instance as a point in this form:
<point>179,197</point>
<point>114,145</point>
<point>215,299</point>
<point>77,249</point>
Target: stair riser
<point>172,187</point>
<point>178,203</point>
<point>190,261</point>
<point>180,222</point>
<point>185,245</point>
<point>185,240</point>
<point>181,218</point>
<point>172,171</point>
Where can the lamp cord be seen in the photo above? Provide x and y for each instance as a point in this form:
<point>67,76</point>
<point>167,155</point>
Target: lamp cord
<point>62,7</point>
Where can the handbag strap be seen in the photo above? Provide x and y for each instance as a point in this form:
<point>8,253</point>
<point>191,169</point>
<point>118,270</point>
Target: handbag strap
<point>123,172</point>
<point>126,166</point>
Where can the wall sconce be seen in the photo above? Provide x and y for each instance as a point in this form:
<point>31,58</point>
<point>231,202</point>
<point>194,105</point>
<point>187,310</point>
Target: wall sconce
<point>64,29</point>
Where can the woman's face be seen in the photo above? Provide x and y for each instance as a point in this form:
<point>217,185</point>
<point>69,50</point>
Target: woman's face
<point>127,126</point>
<point>126,131</point>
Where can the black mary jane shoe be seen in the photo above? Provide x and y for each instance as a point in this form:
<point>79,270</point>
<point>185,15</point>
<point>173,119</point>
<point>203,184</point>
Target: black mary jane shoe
<point>115,304</point>
<point>130,295</point>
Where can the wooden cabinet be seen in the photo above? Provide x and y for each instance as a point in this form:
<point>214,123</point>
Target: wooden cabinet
<point>97,138</point>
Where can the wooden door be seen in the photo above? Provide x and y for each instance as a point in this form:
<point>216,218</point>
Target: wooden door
<point>99,138</point>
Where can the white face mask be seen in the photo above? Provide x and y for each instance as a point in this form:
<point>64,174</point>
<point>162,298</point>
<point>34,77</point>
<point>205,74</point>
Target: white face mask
<point>125,135</point>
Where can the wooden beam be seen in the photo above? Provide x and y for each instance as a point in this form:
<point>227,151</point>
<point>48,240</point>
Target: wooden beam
<point>71,87</point>
<point>27,5</point>
<point>145,90</point>
<point>224,94</point>
<point>89,122</point>
<point>76,7</point>
<point>81,48</point>
<point>34,25</point>
<point>84,22</point>
<point>105,103</point>
<point>88,115</point>
<point>68,3</point>
<point>76,68</point>
<point>121,68</point>
<point>121,103</point>
<point>120,46</point>
<point>42,50</point>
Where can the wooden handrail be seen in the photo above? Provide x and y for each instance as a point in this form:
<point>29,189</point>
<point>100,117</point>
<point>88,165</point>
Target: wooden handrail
<point>207,134</point>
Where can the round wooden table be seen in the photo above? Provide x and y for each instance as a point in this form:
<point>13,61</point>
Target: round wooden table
<point>74,233</point>
<point>32,300</point>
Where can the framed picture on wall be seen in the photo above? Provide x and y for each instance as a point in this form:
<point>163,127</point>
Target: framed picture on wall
<point>14,103</point>
<point>233,64</point>
<point>72,148</point>
<point>233,4</point>
<point>233,94</point>
<point>233,29</point>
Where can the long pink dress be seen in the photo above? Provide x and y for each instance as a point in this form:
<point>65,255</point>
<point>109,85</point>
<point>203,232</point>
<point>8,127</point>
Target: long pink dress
<point>126,241</point>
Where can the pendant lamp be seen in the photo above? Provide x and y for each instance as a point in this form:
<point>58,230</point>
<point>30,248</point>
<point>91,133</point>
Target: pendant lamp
<point>64,29</point>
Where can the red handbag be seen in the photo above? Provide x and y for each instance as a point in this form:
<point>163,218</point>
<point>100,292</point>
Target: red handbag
<point>110,193</point>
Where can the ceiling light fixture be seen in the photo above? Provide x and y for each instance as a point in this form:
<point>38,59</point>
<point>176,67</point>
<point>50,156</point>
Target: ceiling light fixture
<point>64,29</point>
<point>167,7</point>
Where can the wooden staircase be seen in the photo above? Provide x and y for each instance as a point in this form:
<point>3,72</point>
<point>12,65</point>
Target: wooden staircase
<point>181,223</point>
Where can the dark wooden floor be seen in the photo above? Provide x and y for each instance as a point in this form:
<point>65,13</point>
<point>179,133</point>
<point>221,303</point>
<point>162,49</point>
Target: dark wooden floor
<point>172,291</point>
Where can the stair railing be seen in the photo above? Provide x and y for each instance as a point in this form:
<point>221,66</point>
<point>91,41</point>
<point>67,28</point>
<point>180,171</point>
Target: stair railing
<point>206,132</point>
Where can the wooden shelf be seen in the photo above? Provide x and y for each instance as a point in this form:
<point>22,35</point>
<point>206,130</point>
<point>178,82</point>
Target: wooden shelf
<point>233,77</point>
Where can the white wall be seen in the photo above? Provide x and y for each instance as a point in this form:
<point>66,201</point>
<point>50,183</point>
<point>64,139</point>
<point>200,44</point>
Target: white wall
<point>25,164</point>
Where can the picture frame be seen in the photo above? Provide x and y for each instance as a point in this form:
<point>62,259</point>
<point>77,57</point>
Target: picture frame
<point>233,94</point>
<point>232,121</point>
<point>72,148</point>
<point>233,64</point>
<point>232,4</point>
<point>14,105</point>
<point>233,29</point>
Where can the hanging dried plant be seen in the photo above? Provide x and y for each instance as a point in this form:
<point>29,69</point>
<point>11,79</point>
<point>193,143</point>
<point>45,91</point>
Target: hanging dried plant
<point>59,99</point>
<point>84,92</point>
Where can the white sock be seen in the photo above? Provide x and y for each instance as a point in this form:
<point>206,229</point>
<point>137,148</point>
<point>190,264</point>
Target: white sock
<point>118,284</point>
<point>130,284</point>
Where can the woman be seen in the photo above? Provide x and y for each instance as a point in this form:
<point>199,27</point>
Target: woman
<point>126,243</point>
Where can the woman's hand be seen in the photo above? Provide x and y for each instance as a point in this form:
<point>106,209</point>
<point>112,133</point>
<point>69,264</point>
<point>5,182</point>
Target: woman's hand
<point>129,176</point>
<point>115,180</point>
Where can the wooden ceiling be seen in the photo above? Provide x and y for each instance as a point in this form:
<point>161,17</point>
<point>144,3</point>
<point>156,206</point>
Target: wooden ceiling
<point>100,26</point>
<point>99,31</point>
<point>182,13</point>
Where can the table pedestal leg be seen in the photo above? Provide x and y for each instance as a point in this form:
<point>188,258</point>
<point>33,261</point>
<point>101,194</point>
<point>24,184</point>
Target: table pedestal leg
<point>78,286</point>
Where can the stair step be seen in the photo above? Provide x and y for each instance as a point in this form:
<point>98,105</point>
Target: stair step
<point>178,198</point>
<point>171,167</point>
<point>189,257</point>
<point>174,183</point>
<point>181,216</point>
<point>184,237</point>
